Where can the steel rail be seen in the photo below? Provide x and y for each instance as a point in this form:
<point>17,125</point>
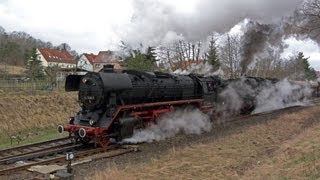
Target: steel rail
<point>3,151</point>
<point>78,154</point>
<point>3,159</point>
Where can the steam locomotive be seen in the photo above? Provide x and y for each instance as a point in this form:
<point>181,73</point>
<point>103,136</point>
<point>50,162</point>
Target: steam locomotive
<point>114,104</point>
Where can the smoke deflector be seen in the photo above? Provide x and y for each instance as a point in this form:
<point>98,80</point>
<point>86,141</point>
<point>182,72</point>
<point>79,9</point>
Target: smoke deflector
<point>73,82</point>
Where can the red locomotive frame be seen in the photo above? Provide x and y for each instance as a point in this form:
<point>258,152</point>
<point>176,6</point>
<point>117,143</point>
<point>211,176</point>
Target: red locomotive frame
<point>148,112</point>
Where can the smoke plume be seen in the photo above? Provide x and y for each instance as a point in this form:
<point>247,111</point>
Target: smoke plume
<point>188,121</point>
<point>253,41</point>
<point>205,69</point>
<point>156,22</point>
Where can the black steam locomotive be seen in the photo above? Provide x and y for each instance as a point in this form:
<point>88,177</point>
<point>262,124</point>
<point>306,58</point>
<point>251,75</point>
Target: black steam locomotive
<point>113,103</point>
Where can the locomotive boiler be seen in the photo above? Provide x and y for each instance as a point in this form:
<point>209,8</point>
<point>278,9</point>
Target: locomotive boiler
<point>113,104</point>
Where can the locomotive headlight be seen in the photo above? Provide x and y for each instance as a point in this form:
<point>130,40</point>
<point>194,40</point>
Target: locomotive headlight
<point>71,120</point>
<point>91,122</point>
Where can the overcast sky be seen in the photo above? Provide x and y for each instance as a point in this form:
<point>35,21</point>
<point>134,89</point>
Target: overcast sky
<point>90,26</point>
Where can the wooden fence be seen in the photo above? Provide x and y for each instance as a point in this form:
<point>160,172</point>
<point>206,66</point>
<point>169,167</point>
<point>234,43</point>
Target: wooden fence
<point>12,85</point>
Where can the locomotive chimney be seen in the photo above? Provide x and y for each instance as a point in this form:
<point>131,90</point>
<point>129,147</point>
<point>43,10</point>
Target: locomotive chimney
<point>108,68</point>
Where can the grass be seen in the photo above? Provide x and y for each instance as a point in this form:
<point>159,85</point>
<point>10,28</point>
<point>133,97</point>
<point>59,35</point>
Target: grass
<point>298,158</point>
<point>31,136</point>
<point>12,70</point>
<point>250,153</point>
<point>34,117</point>
<point>20,112</point>
<point>305,158</point>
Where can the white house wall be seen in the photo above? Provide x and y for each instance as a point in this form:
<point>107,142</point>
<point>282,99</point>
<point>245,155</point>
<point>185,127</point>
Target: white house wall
<point>84,63</point>
<point>61,65</point>
<point>42,59</point>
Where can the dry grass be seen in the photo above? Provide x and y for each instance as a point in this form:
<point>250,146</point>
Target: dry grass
<point>13,70</point>
<point>230,157</point>
<point>20,112</point>
<point>296,159</point>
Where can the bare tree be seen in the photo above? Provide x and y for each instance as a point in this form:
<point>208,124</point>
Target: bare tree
<point>180,54</point>
<point>311,14</point>
<point>230,56</point>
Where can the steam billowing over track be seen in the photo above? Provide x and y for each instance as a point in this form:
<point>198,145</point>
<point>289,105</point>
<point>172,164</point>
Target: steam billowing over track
<point>114,105</point>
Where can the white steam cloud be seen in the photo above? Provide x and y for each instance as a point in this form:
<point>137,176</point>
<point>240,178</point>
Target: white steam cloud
<point>282,94</point>
<point>187,121</point>
<point>205,69</point>
<point>232,97</point>
<point>266,96</point>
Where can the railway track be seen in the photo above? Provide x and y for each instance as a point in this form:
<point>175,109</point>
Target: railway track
<point>56,155</point>
<point>32,148</point>
<point>19,157</point>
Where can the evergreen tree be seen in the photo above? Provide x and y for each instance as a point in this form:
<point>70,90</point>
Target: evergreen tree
<point>52,72</point>
<point>212,55</point>
<point>35,69</point>
<point>140,61</point>
<point>308,72</point>
<point>151,54</point>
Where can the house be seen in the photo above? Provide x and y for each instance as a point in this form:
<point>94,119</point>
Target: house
<point>57,58</point>
<point>92,62</point>
<point>85,61</point>
<point>53,57</point>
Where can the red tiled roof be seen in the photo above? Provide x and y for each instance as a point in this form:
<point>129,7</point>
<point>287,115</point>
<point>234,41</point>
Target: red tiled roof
<point>53,55</point>
<point>91,57</point>
<point>105,57</point>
